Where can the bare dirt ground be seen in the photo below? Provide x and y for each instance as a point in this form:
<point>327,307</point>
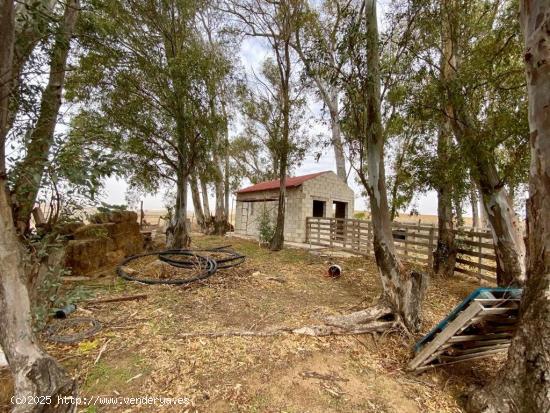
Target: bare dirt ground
<point>143,352</point>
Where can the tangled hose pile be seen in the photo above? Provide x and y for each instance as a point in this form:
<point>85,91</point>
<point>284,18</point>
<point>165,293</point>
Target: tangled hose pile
<point>205,262</point>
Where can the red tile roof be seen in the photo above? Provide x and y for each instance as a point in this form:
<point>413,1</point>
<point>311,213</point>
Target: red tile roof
<point>290,183</point>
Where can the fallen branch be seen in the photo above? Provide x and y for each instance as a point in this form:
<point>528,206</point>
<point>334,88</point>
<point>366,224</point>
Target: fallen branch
<point>117,299</point>
<point>321,376</point>
<point>101,351</point>
<point>238,333</point>
<point>376,319</point>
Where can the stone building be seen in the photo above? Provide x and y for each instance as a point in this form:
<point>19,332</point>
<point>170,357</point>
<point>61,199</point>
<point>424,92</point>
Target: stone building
<point>320,194</point>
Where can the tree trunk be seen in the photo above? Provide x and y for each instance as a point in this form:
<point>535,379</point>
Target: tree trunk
<point>205,202</point>
<point>505,227</point>
<point>404,292</point>
<point>220,223</point>
<point>482,215</point>
<point>503,221</point>
<point>177,234</point>
<point>29,173</point>
<point>337,135</point>
<point>523,385</point>
<point>31,26</point>
<point>476,223</point>
<point>444,256</point>
<point>195,196</point>
<point>329,94</point>
<point>284,65</point>
<point>7,29</point>
<point>278,240</point>
<point>226,175</point>
<point>35,372</point>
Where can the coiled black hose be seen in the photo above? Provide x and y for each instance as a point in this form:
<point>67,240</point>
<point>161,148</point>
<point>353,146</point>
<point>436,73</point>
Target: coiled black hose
<point>207,265</point>
<point>234,258</point>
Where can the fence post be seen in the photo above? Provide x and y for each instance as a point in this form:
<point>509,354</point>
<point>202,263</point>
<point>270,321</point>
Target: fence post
<point>369,236</point>
<point>307,229</point>
<point>479,259</point>
<point>332,232</point>
<point>431,247</point>
<point>344,232</point>
<point>318,230</point>
<point>358,236</point>
<point>405,241</point>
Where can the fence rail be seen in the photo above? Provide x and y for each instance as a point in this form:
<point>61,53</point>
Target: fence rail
<point>414,243</point>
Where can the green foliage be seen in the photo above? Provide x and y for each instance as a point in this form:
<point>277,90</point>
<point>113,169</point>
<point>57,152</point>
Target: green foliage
<point>258,150</point>
<point>487,90</point>
<point>266,227</point>
<point>149,100</point>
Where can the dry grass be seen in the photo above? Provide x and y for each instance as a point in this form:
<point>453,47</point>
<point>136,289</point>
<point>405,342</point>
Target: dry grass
<point>146,355</point>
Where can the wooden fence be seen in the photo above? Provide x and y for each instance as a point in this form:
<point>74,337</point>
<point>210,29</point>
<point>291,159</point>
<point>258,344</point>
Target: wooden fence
<point>414,243</point>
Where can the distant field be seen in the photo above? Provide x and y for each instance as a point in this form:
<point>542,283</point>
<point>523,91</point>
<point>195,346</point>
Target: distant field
<point>424,219</point>
<point>152,217</point>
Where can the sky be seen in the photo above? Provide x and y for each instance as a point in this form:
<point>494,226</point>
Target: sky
<point>253,51</point>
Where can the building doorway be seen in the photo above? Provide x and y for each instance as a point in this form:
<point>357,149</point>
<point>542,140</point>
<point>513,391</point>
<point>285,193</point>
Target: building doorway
<point>319,208</point>
<point>339,208</point>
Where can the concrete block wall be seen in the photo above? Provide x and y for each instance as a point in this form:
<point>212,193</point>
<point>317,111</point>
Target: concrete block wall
<point>299,205</point>
<point>328,188</point>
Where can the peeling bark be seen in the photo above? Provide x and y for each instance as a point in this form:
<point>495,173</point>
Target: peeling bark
<point>35,372</point>
<point>278,237</point>
<point>29,173</point>
<point>444,256</point>
<point>7,34</point>
<point>523,385</point>
<point>196,198</point>
<point>336,137</point>
<point>205,201</point>
<point>498,207</point>
<point>403,291</point>
<point>220,217</point>
<point>177,233</point>
<point>476,222</point>
<point>505,228</point>
<point>482,216</point>
<point>31,26</point>
<point>284,64</point>
<point>220,223</point>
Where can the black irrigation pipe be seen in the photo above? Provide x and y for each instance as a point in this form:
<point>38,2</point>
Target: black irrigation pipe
<point>53,330</point>
<point>234,259</point>
<point>208,265</point>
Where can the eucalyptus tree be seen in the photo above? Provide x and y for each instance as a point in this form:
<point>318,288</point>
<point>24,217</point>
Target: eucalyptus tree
<point>478,110</point>
<point>255,151</point>
<point>29,172</point>
<point>488,118</point>
<point>35,373</point>
<point>361,80</point>
<point>153,93</point>
<point>276,23</point>
<point>221,92</point>
<point>316,42</point>
<point>522,385</point>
